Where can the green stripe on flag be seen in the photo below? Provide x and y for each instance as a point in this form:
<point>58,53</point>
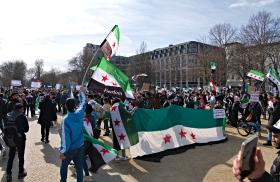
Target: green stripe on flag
<point>121,78</point>
<point>257,73</point>
<point>96,141</point>
<point>116,31</point>
<point>162,119</point>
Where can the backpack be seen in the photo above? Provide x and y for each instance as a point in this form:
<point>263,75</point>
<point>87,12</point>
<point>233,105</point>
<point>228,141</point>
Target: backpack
<point>10,131</point>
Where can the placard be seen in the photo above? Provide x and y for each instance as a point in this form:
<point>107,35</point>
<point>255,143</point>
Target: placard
<point>36,84</point>
<point>219,113</point>
<point>57,86</point>
<point>78,87</point>
<point>16,83</point>
<point>254,97</point>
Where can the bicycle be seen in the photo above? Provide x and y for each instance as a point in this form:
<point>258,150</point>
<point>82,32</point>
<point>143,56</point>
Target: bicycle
<point>246,128</point>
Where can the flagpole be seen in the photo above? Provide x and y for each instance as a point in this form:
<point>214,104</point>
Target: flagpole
<point>89,65</point>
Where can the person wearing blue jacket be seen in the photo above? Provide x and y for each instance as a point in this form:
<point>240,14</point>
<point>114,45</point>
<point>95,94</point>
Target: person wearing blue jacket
<point>72,139</point>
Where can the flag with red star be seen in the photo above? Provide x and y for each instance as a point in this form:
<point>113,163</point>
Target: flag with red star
<point>110,45</point>
<point>256,75</point>
<point>102,152</point>
<point>108,79</point>
<point>123,127</point>
<point>172,127</point>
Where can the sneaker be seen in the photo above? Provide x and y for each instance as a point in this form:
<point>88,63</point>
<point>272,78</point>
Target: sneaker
<point>267,143</point>
<point>47,141</point>
<point>42,140</point>
<point>9,178</point>
<point>106,134</point>
<point>22,175</point>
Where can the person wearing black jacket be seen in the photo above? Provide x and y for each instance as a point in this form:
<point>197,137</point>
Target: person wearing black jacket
<point>275,116</point>
<point>47,115</point>
<point>22,128</point>
<point>14,98</point>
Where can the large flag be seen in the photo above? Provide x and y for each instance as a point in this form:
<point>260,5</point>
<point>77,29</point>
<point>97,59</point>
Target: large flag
<point>108,79</point>
<point>110,45</point>
<point>213,86</point>
<point>172,127</point>
<point>102,153</point>
<point>122,124</point>
<point>256,75</point>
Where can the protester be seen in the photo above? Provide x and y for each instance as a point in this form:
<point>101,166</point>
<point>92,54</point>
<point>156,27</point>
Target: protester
<point>275,116</point>
<point>19,120</point>
<point>107,116</point>
<point>47,115</point>
<point>72,139</point>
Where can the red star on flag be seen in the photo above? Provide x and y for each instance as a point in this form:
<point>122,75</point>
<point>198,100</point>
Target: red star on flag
<point>114,83</point>
<point>104,78</point>
<point>114,44</point>
<point>104,151</point>
<point>121,137</point>
<point>117,122</point>
<point>193,135</point>
<point>167,139</point>
<point>183,133</point>
<point>113,108</point>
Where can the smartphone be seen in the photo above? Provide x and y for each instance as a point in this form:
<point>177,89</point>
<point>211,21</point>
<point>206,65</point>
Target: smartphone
<point>248,151</point>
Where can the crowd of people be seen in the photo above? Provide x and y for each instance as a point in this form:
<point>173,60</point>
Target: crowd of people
<point>87,107</point>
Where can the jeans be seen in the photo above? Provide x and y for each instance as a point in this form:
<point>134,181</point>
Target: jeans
<point>20,148</point>
<point>77,155</point>
<point>269,136</point>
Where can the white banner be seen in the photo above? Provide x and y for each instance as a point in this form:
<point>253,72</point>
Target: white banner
<point>57,86</point>
<point>219,113</point>
<point>16,83</point>
<point>254,97</point>
<point>36,84</point>
<point>78,87</point>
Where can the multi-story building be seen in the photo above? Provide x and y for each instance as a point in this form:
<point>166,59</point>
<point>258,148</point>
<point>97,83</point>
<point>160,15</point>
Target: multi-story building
<point>182,65</point>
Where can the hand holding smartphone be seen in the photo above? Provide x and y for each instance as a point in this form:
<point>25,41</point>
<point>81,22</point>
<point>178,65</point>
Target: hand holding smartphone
<point>248,151</point>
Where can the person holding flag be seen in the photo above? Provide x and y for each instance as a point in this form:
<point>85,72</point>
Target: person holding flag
<point>72,140</point>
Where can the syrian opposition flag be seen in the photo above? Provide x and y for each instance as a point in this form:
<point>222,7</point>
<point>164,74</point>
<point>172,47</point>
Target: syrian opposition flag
<point>213,64</point>
<point>274,77</point>
<point>256,75</point>
<point>123,127</point>
<point>172,127</point>
<point>213,86</point>
<point>102,153</point>
<point>110,45</point>
<point>108,79</point>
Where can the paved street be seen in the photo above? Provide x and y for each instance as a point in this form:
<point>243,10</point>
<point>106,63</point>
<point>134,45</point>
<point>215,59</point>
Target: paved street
<point>200,163</point>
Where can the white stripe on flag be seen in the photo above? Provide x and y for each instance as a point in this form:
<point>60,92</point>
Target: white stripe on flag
<point>112,40</point>
<point>157,141</point>
<point>106,155</point>
<point>119,127</point>
<point>103,77</point>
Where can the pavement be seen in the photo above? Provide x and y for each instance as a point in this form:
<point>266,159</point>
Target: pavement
<point>207,163</point>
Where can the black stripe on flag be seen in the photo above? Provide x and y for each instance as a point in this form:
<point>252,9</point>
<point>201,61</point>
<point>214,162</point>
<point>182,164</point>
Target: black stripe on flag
<point>95,86</point>
<point>96,157</point>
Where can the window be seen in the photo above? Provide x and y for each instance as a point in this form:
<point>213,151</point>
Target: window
<point>192,48</point>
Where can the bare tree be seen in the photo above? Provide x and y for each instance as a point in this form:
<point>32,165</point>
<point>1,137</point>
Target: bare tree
<point>222,34</point>
<point>39,64</point>
<point>12,70</point>
<point>261,30</point>
<point>273,55</point>
<point>50,77</point>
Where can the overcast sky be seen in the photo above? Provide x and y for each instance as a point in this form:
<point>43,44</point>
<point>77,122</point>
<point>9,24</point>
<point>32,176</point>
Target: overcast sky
<point>56,30</point>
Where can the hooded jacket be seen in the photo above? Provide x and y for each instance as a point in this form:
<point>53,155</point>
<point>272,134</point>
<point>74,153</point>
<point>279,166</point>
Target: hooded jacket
<point>72,128</point>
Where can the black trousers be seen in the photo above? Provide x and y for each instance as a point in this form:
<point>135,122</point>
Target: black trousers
<point>45,130</point>
<point>20,148</point>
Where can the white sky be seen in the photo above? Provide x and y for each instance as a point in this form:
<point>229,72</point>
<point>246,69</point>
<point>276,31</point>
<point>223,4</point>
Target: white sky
<point>56,30</point>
